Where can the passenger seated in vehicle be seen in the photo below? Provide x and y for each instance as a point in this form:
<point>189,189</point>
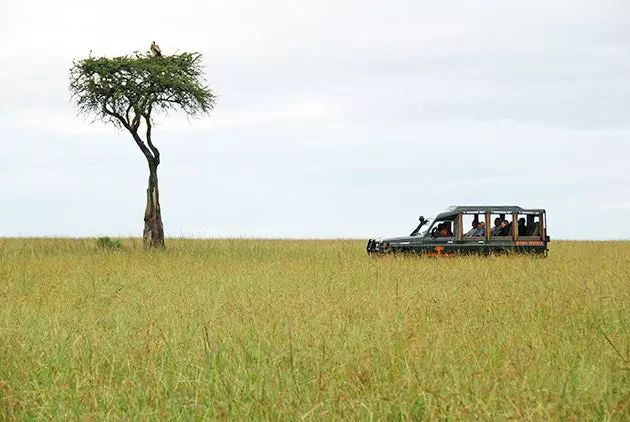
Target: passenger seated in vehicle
<point>522,228</point>
<point>481,229</point>
<point>446,230</point>
<point>494,231</point>
<point>505,228</point>
<point>474,228</point>
<point>478,230</point>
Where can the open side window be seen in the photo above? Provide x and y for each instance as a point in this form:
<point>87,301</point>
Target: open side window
<point>443,229</point>
<point>474,226</point>
<point>529,226</point>
<point>502,226</point>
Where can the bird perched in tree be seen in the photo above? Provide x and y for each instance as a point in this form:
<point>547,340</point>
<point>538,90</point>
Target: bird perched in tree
<point>155,49</point>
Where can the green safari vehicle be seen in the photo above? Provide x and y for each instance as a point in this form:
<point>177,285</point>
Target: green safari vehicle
<point>472,229</point>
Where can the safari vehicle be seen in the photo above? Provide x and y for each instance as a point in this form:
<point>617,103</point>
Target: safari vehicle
<point>472,230</point>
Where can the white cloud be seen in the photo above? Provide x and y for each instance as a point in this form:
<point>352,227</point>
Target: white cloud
<point>617,206</point>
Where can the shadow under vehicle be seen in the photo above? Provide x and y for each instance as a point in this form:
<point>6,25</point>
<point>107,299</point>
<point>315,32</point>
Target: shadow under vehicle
<point>478,229</point>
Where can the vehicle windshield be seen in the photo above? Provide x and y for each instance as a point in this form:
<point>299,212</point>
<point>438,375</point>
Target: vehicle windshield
<point>423,231</point>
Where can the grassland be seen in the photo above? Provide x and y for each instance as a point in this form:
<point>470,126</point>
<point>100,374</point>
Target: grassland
<point>290,330</point>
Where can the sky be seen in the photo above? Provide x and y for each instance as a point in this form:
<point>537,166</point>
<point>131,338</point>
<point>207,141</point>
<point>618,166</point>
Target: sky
<point>335,119</point>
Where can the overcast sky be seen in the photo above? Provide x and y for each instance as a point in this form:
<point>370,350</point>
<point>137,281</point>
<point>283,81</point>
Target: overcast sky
<point>335,118</point>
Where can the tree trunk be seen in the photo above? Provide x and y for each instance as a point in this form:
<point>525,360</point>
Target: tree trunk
<point>153,236</point>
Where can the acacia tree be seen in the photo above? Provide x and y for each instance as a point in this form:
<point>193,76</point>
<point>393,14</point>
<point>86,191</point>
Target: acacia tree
<point>128,91</point>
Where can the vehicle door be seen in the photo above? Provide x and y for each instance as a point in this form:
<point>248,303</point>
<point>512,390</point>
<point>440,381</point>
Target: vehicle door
<point>441,238</point>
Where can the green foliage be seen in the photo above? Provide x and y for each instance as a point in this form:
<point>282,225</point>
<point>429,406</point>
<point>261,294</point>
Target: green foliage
<point>311,330</point>
<point>108,243</point>
<point>125,89</point>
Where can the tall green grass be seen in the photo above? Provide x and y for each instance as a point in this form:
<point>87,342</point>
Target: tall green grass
<point>259,329</point>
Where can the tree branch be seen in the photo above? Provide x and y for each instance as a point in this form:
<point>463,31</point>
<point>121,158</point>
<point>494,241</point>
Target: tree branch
<point>135,124</point>
<point>156,152</point>
<point>134,133</point>
<point>150,158</point>
<point>115,115</point>
<point>128,110</point>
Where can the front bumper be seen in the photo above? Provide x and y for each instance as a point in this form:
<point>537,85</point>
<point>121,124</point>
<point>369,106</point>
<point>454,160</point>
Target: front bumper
<point>374,246</point>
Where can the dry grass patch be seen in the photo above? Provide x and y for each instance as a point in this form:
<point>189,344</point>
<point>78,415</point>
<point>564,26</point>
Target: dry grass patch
<point>311,329</point>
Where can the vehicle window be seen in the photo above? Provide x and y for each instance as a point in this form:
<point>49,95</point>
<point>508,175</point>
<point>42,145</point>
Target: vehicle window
<point>423,231</point>
<point>474,225</point>
<point>528,225</point>
<point>501,225</point>
<point>442,228</point>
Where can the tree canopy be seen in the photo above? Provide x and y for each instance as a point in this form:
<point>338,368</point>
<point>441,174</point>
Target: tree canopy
<point>125,89</point>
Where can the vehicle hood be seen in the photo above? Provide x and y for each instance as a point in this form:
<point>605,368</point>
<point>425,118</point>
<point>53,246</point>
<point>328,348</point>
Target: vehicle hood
<point>403,240</point>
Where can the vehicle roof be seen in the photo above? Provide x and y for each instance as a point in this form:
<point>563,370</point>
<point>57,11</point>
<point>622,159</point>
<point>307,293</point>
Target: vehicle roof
<point>482,209</point>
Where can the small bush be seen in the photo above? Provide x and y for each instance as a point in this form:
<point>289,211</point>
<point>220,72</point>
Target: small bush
<point>108,243</point>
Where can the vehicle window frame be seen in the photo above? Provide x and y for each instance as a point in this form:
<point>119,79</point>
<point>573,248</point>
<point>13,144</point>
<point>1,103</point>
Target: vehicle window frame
<point>510,235</point>
<point>454,229</point>
<point>461,236</point>
<point>541,222</point>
